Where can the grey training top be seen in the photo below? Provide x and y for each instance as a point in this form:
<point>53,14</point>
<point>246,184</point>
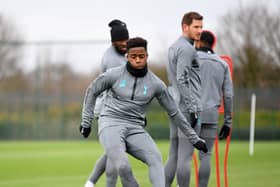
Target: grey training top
<point>216,85</point>
<point>110,59</point>
<point>184,74</point>
<point>128,98</point>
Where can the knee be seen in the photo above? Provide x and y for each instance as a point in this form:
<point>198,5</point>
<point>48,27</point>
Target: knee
<point>183,171</point>
<point>184,167</point>
<point>111,171</point>
<point>124,169</point>
<point>205,157</point>
<point>111,175</point>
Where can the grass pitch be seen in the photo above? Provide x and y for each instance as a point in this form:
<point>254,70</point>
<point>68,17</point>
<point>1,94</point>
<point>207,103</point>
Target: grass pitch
<point>68,164</point>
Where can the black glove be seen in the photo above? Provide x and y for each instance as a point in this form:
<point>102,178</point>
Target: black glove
<point>85,131</point>
<point>200,145</point>
<point>194,119</point>
<point>224,133</point>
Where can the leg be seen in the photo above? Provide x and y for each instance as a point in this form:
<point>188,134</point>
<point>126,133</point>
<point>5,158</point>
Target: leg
<point>208,133</point>
<point>111,174</point>
<point>98,169</point>
<point>142,146</point>
<point>113,140</point>
<point>185,152</point>
<point>171,164</point>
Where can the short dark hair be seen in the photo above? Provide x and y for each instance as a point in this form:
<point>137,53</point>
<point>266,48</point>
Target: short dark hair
<point>190,16</point>
<point>136,42</point>
<point>208,38</point>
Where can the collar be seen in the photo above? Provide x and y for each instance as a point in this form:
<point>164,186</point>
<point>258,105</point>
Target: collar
<point>189,40</point>
<point>206,49</point>
<point>136,72</point>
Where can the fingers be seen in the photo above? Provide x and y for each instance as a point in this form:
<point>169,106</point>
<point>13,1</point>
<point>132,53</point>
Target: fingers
<point>84,131</point>
<point>200,145</point>
<point>205,150</point>
<point>224,133</point>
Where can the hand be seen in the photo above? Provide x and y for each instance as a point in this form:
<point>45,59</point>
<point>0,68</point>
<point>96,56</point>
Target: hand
<point>194,119</point>
<point>224,133</point>
<point>200,145</point>
<point>85,131</point>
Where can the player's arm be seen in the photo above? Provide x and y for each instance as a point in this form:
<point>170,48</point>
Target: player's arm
<point>101,83</point>
<point>228,104</point>
<point>184,61</point>
<point>176,117</point>
<point>186,58</point>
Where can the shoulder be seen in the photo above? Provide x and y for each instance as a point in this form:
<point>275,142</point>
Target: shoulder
<point>184,47</point>
<point>116,70</point>
<point>112,59</point>
<point>114,73</point>
<point>221,61</point>
<point>182,43</point>
<point>109,54</point>
<point>155,81</point>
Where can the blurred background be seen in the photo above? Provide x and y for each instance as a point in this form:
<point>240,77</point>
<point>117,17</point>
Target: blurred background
<point>50,51</point>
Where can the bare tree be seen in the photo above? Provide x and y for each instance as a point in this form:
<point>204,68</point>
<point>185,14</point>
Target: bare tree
<point>9,53</point>
<point>54,76</point>
<point>251,36</point>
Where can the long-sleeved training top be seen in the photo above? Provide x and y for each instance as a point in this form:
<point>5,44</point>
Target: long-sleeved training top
<point>216,86</point>
<point>184,74</point>
<point>111,59</point>
<point>127,100</point>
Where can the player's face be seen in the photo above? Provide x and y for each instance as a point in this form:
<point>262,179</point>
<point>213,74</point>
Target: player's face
<point>193,31</point>
<point>120,46</point>
<point>137,57</point>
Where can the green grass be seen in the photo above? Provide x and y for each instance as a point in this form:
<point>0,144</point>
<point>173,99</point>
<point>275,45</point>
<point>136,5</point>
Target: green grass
<point>68,164</point>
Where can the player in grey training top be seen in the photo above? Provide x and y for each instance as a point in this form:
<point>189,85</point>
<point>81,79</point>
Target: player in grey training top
<point>131,88</point>
<point>216,87</point>
<point>114,56</point>
<point>184,76</point>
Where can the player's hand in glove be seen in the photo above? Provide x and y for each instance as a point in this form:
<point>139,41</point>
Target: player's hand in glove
<point>201,145</point>
<point>224,133</point>
<point>85,131</point>
<point>194,119</point>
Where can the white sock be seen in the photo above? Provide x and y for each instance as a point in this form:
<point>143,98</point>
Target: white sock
<point>89,184</point>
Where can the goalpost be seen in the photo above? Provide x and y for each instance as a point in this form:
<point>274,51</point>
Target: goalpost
<point>252,124</point>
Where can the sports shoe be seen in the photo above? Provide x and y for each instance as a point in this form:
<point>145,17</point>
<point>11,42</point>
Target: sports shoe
<point>89,184</point>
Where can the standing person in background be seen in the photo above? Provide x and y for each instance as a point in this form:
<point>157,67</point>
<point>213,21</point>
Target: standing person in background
<point>184,77</point>
<point>131,89</point>
<point>114,56</point>
<point>216,87</point>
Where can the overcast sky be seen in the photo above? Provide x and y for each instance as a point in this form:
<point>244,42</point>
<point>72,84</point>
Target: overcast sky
<point>156,20</point>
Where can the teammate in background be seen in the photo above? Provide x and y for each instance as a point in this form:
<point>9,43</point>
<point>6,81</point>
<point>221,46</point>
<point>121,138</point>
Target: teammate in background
<point>185,85</point>
<point>114,56</point>
<point>216,87</point>
<point>121,122</point>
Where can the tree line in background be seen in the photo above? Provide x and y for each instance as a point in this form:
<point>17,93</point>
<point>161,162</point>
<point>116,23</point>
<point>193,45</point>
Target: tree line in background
<point>249,34</point>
